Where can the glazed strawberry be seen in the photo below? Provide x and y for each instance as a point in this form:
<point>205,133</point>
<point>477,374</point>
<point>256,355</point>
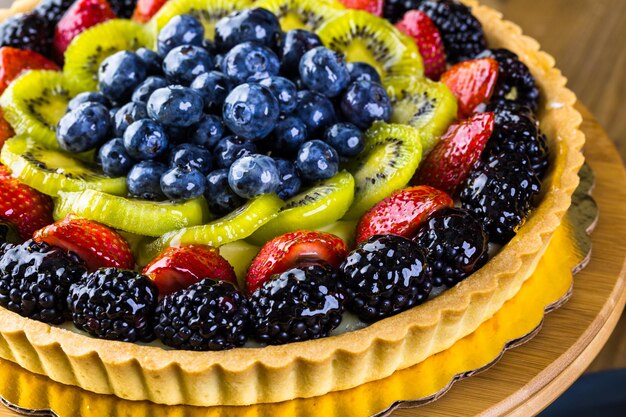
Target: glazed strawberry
<point>96,244</point>
<point>6,131</point>
<point>145,9</point>
<point>402,212</point>
<point>374,7</point>
<point>418,25</point>
<point>472,83</point>
<point>179,267</point>
<point>295,249</point>
<point>24,207</point>
<point>81,15</point>
<point>447,166</point>
<point>14,62</point>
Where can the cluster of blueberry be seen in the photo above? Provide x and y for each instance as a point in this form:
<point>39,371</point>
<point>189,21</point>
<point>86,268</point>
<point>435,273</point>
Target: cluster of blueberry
<point>256,111</point>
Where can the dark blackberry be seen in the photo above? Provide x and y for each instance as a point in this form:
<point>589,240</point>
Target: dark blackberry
<point>385,275</point>
<point>114,304</point>
<point>299,304</point>
<point>461,32</point>
<point>394,10</point>
<point>35,279</point>
<point>123,8</point>
<point>208,315</point>
<point>53,11</point>
<point>26,31</point>
<point>455,245</point>
<point>499,192</point>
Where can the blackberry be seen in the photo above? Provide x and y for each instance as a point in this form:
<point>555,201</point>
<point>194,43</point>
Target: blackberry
<point>123,8</point>
<point>114,304</point>
<point>499,193</point>
<point>35,279</point>
<point>455,244</point>
<point>299,304</point>
<point>384,276</point>
<point>461,32</point>
<point>26,31</point>
<point>52,11</point>
<point>208,315</point>
<point>394,10</point>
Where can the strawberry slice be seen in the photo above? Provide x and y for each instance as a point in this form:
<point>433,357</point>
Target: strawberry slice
<point>14,62</point>
<point>292,250</point>
<point>6,131</point>
<point>179,267</point>
<point>145,9</point>
<point>80,16</point>
<point>450,162</point>
<point>421,28</point>
<point>96,244</point>
<point>402,212</point>
<point>374,7</point>
<point>24,207</point>
<point>472,83</point>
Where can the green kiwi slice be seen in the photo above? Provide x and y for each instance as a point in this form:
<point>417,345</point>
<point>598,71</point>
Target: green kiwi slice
<point>302,14</point>
<point>90,48</point>
<point>51,171</point>
<point>34,103</point>
<point>426,105</point>
<point>237,225</point>
<point>141,217</point>
<point>391,156</point>
<point>314,208</point>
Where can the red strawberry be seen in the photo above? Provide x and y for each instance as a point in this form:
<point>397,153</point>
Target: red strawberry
<point>96,244</point>
<point>22,206</point>
<point>449,163</point>
<point>294,249</point>
<point>402,212</point>
<point>80,16</point>
<point>374,7</point>
<point>418,25</point>
<point>145,9</point>
<point>6,131</point>
<point>472,82</point>
<point>179,267</point>
<point>14,62</point>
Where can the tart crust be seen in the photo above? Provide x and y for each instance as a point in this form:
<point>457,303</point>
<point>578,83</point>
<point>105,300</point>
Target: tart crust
<point>277,373</point>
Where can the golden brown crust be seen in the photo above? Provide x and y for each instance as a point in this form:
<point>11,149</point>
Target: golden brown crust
<point>277,373</point>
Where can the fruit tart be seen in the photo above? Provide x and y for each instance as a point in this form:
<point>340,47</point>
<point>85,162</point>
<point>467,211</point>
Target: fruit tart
<point>233,202</point>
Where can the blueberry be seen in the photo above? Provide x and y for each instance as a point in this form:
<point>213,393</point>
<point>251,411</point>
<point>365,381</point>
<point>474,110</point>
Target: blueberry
<point>317,160</point>
<point>250,60</point>
<point>145,139</point>
<point>290,182</point>
<point>177,134</point>
<point>213,86</point>
<point>191,156</point>
<point>231,148</point>
<point>251,111</point>
<point>362,71</point>
<point>176,106</point>
<point>219,196</point>
<point>114,159</point>
<point>183,183</point>
<point>253,175</point>
<point>207,132</point>
<point>289,135</point>
<point>324,70</point>
<point>345,138</point>
<point>128,114</point>
<point>284,90</point>
<point>120,74</point>
<point>296,43</point>
<point>249,25</point>
<point>364,102</point>
<point>183,29</point>
<point>151,59</point>
<point>144,180</point>
<point>184,63</point>
<point>147,87</point>
<point>84,128</point>
<point>113,112</point>
<point>316,111</point>
<point>87,97</point>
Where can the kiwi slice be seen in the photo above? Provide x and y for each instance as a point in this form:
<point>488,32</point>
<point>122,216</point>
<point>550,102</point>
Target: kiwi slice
<point>426,105</point>
<point>391,156</point>
<point>208,12</point>
<point>316,207</point>
<point>302,14</point>
<point>238,225</point>
<point>240,255</point>
<point>140,217</point>
<point>34,103</point>
<point>345,229</point>
<point>90,48</point>
<point>367,38</point>
<point>51,171</point>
